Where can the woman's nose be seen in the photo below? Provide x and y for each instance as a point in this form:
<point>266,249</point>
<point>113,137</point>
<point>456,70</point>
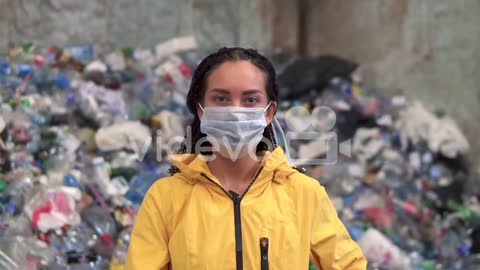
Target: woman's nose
<point>236,103</point>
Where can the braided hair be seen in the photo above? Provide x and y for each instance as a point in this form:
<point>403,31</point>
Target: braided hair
<point>197,91</point>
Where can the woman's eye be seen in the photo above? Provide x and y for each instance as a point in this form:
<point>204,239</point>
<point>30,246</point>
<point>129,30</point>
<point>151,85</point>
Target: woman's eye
<point>251,100</point>
<point>220,99</point>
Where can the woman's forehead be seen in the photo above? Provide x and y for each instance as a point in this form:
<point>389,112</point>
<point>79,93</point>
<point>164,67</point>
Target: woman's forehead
<point>236,76</point>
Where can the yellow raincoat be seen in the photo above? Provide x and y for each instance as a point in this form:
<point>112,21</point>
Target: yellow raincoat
<point>285,218</point>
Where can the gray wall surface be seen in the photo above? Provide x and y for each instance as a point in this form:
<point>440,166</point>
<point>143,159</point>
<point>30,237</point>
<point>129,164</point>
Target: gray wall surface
<point>427,49</point>
<point>139,23</point>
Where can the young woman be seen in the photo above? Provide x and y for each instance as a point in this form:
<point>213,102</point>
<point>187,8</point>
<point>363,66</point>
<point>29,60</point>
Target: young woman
<point>233,201</point>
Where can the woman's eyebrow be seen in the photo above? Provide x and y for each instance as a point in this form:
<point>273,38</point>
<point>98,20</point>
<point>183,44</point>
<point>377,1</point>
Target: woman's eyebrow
<point>251,91</point>
<point>220,90</point>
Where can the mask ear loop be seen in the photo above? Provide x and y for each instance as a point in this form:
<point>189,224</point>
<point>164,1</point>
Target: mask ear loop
<point>201,107</point>
<point>287,148</point>
<point>266,108</point>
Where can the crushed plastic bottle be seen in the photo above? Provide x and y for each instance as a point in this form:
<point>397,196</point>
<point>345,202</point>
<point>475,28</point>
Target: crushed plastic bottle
<point>105,228</point>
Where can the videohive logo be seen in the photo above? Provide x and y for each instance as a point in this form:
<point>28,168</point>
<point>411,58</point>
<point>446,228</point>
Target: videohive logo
<point>310,138</point>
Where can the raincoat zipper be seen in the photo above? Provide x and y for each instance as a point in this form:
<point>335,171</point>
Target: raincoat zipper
<point>237,216</point>
<point>264,253</point>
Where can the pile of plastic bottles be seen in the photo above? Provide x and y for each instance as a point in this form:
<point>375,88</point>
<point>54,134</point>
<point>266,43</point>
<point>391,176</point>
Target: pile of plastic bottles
<point>78,149</point>
<point>403,187</point>
<point>81,141</point>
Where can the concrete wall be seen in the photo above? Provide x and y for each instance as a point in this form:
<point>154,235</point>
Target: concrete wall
<point>143,23</point>
<point>428,49</point>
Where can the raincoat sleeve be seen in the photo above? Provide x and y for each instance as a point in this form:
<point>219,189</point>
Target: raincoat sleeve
<point>148,247</point>
<point>331,246</point>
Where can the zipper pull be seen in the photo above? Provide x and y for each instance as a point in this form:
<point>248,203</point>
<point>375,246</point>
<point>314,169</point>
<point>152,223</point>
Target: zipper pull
<point>236,198</point>
<point>264,253</point>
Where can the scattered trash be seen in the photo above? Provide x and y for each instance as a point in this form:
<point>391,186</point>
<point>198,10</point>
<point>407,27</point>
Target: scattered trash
<point>403,194</point>
<point>76,148</point>
<point>81,142</point>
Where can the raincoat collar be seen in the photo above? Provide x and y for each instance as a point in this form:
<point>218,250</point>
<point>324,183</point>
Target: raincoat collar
<point>194,167</point>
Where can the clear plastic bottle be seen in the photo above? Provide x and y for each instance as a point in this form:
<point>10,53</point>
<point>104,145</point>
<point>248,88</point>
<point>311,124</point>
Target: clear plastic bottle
<point>79,239</point>
<point>19,189</point>
<point>98,173</point>
<point>104,226</point>
<point>121,249</point>
<point>40,75</point>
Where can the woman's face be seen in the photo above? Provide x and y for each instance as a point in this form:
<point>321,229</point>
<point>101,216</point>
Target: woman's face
<point>237,84</point>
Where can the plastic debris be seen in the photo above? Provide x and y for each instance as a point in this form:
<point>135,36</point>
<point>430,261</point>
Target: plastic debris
<point>381,251</point>
<point>402,194</point>
<point>82,139</point>
<point>130,135</point>
<point>76,158</point>
<point>415,123</point>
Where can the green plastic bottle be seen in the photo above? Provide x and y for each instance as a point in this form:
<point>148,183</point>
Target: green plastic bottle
<point>3,184</point>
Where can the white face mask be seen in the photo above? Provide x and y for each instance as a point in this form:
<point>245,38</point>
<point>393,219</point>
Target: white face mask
<point>233,131</point>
